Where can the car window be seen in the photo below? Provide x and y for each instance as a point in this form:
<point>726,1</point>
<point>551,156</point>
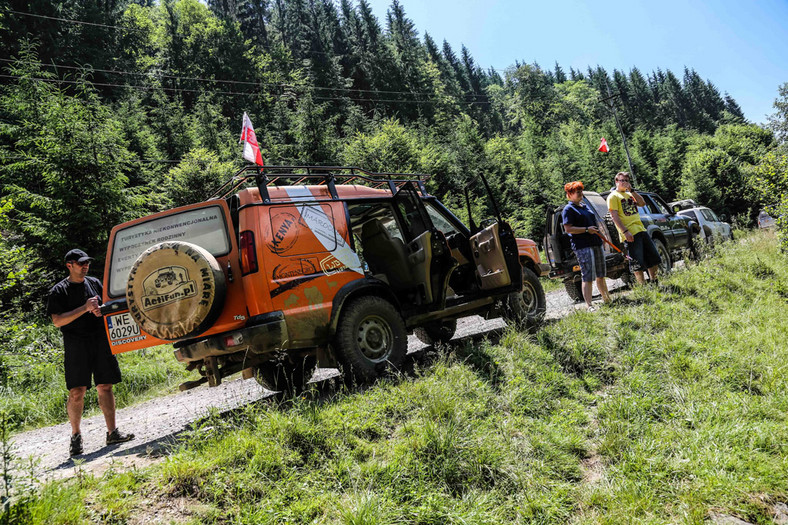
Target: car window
<point>655,205</point>
<point>709,215</point>
<point>598,204</point>
<point>393,228</point>
<point>364,212</point>
<point>659,206</point>
<point>204,226</point>
<point>648,208</point>
<point>411,211</point>
<point>439,221</point>
<point>692,215</point>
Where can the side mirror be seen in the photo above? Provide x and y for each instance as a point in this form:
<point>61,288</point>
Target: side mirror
<point>723,217</point>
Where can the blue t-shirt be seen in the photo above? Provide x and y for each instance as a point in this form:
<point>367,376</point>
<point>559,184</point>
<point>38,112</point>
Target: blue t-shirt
<point>580,215</point>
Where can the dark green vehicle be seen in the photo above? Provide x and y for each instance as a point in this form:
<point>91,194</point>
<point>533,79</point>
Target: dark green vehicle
<point>673,234</point>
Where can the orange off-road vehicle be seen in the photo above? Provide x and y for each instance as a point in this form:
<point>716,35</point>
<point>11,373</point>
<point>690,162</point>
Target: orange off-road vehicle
<point>289,268</point>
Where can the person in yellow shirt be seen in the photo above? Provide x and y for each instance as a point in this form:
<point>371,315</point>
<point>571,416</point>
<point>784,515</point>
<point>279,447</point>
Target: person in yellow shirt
<point>623,205</point>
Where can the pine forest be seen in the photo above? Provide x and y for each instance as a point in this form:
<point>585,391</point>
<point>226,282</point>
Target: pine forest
<point>117,108</point>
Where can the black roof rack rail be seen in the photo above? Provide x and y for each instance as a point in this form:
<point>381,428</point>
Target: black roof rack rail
<point>330,176</point>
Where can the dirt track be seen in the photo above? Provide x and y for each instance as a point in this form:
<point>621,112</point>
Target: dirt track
<point>158,423</point>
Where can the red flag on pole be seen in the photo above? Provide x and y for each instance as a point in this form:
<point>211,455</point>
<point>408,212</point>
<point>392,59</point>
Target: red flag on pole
<point>249,140</point>
<point>603,146</point>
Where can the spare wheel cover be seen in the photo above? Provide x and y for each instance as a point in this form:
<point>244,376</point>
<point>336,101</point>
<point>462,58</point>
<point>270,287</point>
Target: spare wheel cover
<point>175,290</point>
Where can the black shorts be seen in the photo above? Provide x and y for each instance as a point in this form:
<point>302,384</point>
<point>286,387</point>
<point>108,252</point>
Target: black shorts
<point>89,357</point>
<point>643,252</point>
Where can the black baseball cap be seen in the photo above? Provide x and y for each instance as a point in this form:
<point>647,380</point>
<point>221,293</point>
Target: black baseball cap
<point>77,255</point>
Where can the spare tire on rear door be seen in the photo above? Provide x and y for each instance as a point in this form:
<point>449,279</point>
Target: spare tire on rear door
<point>175,290</point>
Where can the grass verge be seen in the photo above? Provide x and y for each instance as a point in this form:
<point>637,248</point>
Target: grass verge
<point>667,406</point>
<point>32,382</point>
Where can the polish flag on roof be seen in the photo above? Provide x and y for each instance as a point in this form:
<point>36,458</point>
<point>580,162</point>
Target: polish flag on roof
<point>249,140</point>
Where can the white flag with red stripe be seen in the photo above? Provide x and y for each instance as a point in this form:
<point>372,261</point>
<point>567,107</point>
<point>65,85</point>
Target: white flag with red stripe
<point>249,140</point>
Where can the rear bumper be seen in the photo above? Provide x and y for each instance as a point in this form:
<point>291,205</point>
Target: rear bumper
<point>613,262</point>
<point>268,334</point>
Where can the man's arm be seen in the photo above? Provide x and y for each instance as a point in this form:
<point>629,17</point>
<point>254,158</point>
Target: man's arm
<point>91,305</point>
<point>639,200</point>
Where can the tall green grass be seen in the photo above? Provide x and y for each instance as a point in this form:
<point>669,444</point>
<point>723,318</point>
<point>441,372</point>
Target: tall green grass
<point>665,407</point>
<point>32,382</point>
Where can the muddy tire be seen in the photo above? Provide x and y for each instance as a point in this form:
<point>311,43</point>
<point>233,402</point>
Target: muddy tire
<point>175,290</point>
<point>574,289</point>
<point>436,332</point>
<point>526,308</point>
<point>666,265</point>
<point>370,340</point>
<point>286,375</point>
<point>692,247</point>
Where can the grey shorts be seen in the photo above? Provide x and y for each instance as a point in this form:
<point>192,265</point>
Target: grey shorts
<point>592,263</point>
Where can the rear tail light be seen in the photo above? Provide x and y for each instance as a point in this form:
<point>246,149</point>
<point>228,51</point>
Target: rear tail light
<point>233,339</point>
<point>248,253</point>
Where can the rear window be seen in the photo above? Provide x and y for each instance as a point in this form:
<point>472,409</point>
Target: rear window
<point>205,227</point>
<point>598,203</point>
<point>691,214</point>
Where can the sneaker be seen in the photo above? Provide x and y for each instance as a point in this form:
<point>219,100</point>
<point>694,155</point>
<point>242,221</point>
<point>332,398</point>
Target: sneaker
<point>593,308</point>
<point>76,445</point>
<point>116,436</point>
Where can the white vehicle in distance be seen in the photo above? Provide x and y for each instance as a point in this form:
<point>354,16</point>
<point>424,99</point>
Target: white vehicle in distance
<point>712,227</point>
<point>765,220</point>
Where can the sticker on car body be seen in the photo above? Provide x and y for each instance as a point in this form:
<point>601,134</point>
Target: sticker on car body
<point>317,221</point>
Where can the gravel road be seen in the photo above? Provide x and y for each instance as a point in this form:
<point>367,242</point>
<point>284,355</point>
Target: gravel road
<point>157,423</point>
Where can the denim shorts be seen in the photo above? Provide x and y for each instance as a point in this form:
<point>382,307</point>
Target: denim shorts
<point>643,251</point>
<point>592,263</point>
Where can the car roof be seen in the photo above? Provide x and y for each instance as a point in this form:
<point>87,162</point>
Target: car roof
<point>316,192</point>
<point>642,192</point>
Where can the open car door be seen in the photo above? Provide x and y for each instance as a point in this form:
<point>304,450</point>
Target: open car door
<point>432,263</point>
<point>489,258</point>
<point>494,250</point>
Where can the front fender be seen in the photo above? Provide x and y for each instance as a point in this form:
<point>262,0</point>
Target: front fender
<point>528,252</point>
<point>656,233</point>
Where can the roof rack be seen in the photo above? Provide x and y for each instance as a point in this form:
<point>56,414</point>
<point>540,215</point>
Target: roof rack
<point>265,176</point>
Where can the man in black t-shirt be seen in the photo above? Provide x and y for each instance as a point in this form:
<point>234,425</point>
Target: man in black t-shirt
<point>73,304</point>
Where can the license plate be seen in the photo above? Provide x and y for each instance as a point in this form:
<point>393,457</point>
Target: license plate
<point>122,326</point>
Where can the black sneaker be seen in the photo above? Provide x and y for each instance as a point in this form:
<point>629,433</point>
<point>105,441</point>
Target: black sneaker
<point>76,445</point>
<point>116,436</point>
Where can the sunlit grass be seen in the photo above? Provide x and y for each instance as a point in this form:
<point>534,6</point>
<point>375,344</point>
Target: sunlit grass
<point>664,407</point>
<point>33,391</point>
